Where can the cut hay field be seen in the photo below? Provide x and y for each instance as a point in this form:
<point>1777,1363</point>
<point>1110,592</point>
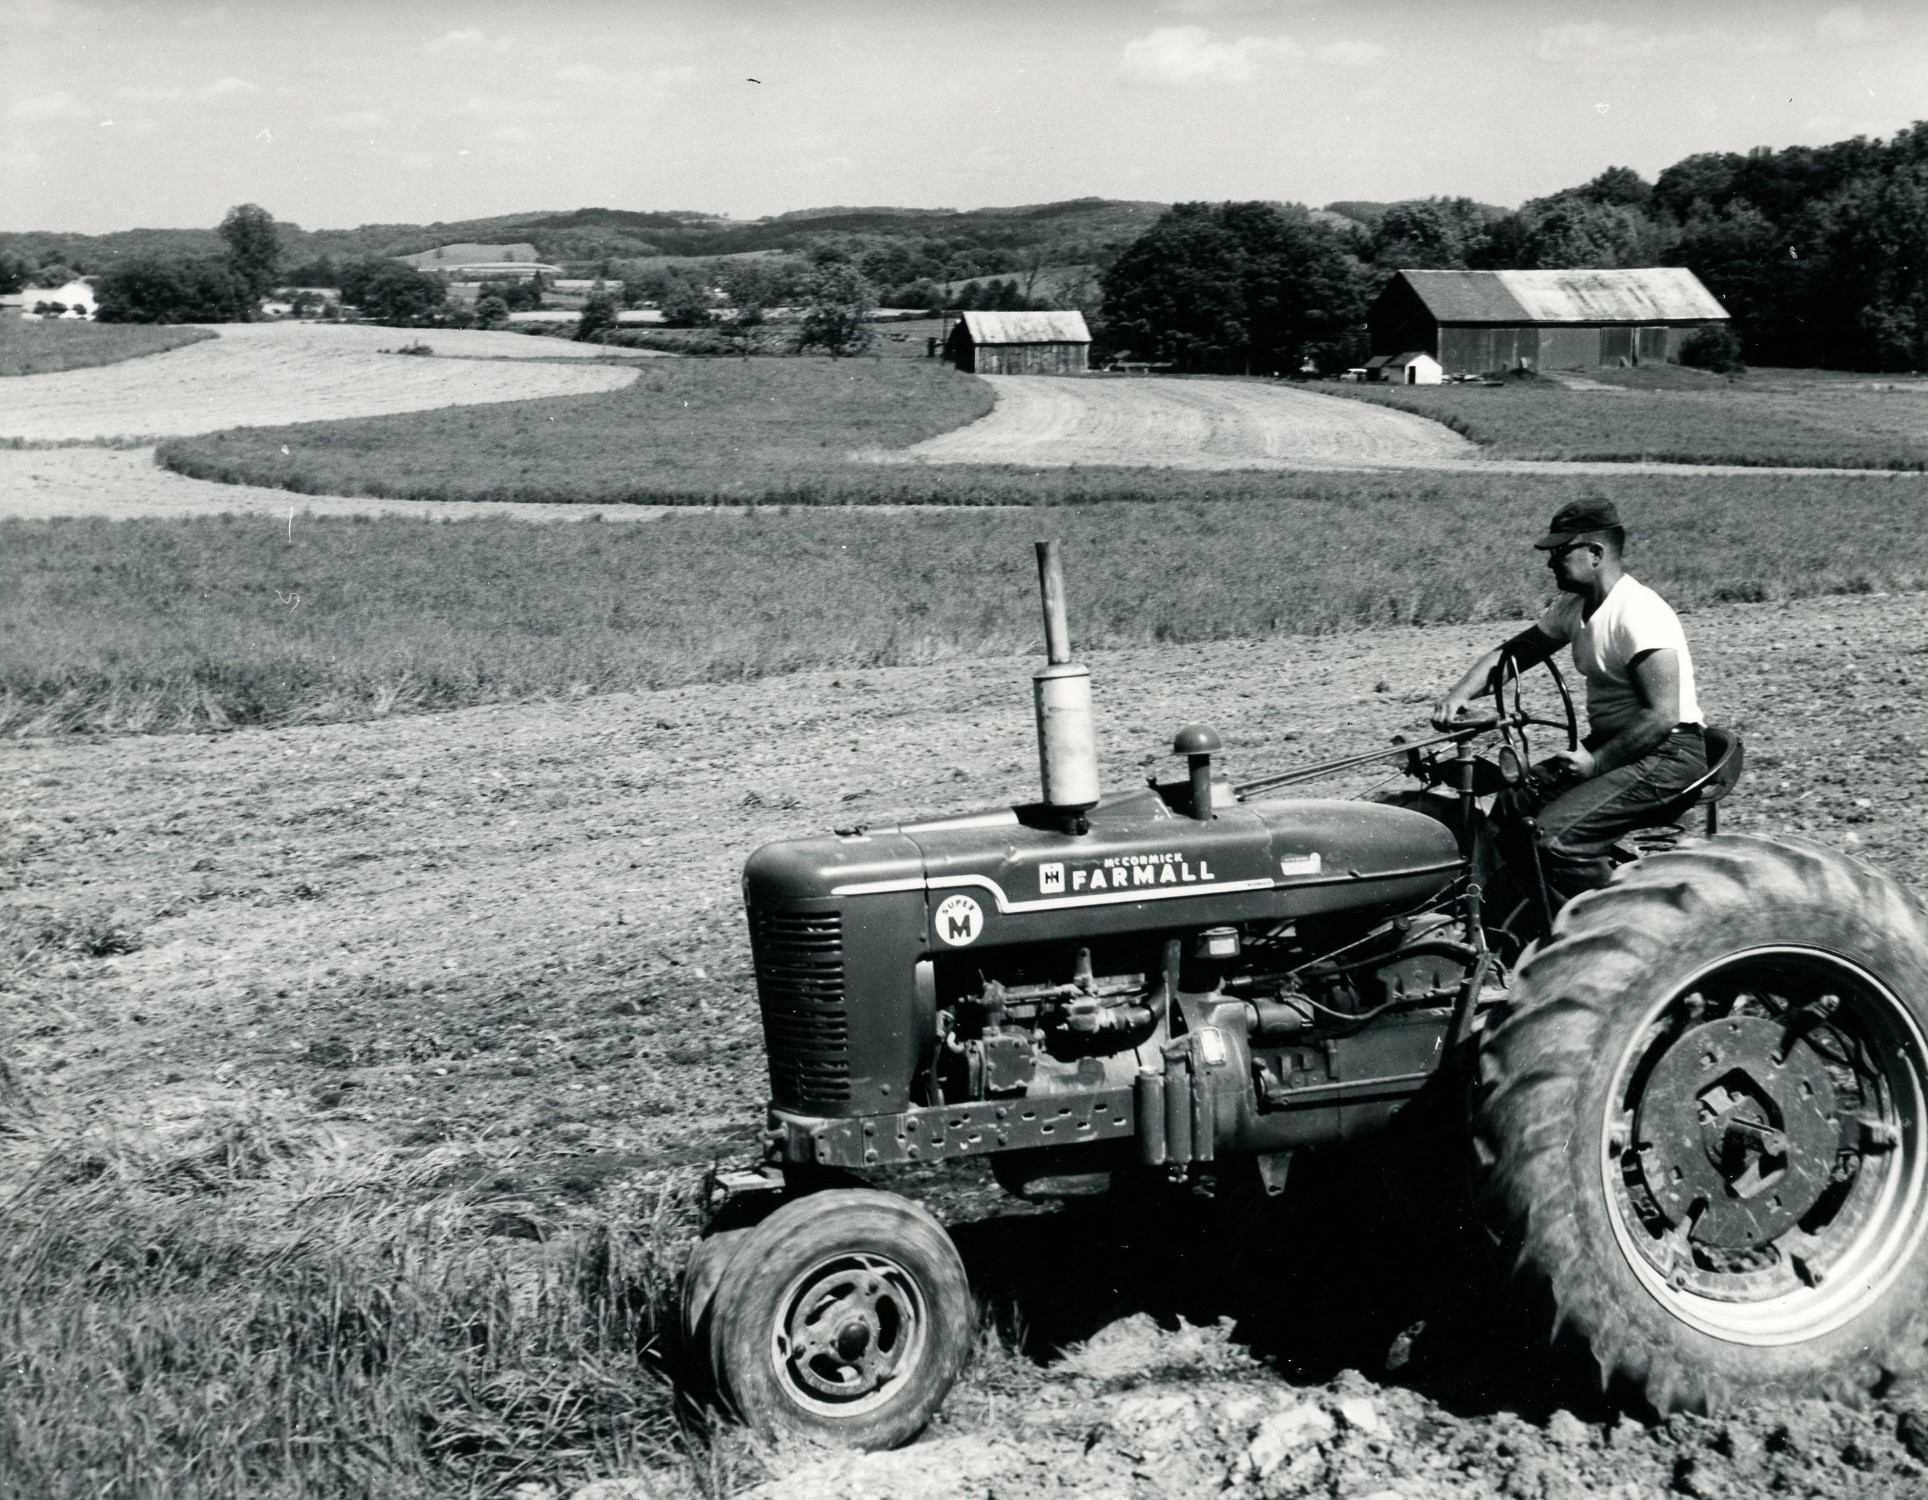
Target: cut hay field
<point>253,374</point>
<point>44,346</point>
<point>902,431</point>
<point>1666,414</point>
<point>211,622</point>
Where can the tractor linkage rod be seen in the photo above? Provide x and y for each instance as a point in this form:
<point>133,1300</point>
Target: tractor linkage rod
<point>1247,790</point>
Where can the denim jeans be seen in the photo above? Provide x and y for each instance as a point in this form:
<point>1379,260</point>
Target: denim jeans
<point>1578,824</point>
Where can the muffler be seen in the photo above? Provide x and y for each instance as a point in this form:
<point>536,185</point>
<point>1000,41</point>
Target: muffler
<point>1067,737</point>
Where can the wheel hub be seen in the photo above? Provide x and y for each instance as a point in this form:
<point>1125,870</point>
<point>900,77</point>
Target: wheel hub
<point>849,1328</point>
<point>1739,1130</point>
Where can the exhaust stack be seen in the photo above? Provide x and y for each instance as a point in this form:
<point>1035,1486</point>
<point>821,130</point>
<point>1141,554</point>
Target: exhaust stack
<point>1067,738</point>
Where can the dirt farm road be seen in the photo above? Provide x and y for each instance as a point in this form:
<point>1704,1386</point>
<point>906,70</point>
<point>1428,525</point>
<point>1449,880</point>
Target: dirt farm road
<point>1168,422</point>
<point>513,933</point>
<point>1155,421</point>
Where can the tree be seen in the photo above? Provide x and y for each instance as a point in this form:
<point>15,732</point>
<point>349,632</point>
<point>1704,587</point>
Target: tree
<point>490,311</point>
<point>1178,292</point>
<point>390,292</point>
<point>15,272</point>
<point>685,302</point>
<point>1236,286</point>
<point>52,274</point>
<point>1619,185</point>
<point>254,250</point>
<point>752,286</point>
<point>837,304</point>
<point>598,318</point>
<point>170,289</point>
<point>1715,347</point>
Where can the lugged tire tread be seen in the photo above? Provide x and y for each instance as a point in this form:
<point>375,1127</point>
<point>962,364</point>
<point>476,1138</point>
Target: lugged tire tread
<point>1525,1105</point>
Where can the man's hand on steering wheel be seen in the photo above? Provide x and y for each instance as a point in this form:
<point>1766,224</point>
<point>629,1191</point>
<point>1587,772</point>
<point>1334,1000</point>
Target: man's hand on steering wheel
<point>1448,712</point>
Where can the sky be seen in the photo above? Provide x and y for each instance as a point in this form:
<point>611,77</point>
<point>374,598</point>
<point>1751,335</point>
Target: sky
<point>334,113</point>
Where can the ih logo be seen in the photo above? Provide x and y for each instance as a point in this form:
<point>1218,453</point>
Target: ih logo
<point>959,921</point>
<point>1051,880</point>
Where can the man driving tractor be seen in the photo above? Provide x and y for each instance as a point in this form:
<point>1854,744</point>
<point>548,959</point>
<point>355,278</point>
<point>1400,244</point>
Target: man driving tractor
<point>1644,744</point>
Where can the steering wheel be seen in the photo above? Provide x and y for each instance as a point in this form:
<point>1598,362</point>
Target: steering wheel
<point>1515,721</point>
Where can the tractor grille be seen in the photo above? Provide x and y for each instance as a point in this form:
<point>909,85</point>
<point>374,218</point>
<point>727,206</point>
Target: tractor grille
<point>800,979</point>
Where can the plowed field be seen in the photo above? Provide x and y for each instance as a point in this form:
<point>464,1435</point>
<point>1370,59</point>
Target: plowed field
<point>260,374</point>
<point>515,932</point>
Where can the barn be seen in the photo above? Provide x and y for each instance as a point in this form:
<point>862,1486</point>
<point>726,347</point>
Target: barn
<point>1479,322</point>
<point>1019,343</point>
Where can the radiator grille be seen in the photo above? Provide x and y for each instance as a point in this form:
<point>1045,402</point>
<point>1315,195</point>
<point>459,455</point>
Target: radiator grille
<point>800,980</point>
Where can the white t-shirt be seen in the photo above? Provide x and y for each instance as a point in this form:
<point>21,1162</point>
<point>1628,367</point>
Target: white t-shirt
<point>1630,621</point>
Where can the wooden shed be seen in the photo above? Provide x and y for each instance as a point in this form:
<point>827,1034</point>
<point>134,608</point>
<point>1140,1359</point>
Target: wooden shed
<point>1414,367</point>
<point>1476,322</point>
<point>1020,343</point>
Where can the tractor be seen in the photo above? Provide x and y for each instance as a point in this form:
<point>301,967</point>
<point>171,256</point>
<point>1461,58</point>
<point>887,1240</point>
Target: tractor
<point>1694,1099</point>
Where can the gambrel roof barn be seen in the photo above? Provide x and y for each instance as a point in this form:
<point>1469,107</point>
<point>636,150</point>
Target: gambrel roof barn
<point>1020,343</point>
<point>1474,322</point>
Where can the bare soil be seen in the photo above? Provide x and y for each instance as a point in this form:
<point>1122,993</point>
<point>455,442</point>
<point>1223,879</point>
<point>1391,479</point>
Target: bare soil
<point>261,374</point>
<point>516,930</point>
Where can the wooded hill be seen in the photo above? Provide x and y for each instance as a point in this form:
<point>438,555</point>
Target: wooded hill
<point>967,243</point>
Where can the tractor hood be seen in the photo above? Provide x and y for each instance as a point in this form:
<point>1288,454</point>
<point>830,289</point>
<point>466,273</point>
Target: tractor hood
<point>1010,875</point>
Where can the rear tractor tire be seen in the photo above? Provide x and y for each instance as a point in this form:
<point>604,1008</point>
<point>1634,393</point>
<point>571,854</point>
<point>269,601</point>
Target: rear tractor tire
<point>843,1317</point>
<point>1699,1127</point>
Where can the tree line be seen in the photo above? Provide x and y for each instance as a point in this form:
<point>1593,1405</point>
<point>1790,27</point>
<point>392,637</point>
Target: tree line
<point>1820,254</point>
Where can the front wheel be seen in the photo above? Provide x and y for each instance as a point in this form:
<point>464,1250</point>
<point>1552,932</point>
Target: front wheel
<point>844,1317</point>
<point>1699,1131</point>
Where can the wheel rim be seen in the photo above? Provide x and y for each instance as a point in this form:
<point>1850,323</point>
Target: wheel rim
<point>849,1332</point>
<point>1763,1149</point>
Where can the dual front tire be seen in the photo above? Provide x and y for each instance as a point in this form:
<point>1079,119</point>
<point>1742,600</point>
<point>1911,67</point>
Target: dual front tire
<point>845,1316</point>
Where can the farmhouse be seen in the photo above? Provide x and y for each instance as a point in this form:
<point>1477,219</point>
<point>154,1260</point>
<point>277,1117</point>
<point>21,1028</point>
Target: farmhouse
<point>1019,343</point>
<point>469,262</point>
<point>1474,322</point>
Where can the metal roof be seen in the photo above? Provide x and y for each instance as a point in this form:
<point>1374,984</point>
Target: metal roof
<point>1656,294</point>
<point>1027,328</point>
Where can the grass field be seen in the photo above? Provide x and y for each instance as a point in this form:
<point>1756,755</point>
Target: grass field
<point>693,432</point>
<point>1666,414</point>
<point>242,1308</point>
<point>40,346</point>
<point>212,622</point>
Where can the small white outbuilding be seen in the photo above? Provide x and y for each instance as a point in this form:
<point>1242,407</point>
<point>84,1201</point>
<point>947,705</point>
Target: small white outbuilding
<point>1416,368</point>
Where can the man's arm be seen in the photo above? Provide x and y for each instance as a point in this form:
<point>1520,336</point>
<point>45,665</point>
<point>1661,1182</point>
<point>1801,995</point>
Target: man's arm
<point>1656,682</point>
<point>1529,648</point>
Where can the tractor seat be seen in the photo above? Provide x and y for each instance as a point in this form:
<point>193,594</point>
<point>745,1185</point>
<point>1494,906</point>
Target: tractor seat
<point>1725,758</point>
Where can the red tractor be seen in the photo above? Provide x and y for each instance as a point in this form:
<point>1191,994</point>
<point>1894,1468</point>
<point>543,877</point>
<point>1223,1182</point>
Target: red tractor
<point>1696,1097</point>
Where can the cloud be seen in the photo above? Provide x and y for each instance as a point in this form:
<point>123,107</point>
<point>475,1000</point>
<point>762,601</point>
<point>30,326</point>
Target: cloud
<point>1349,54</point>
<point>355,119</point>
<point>1848,24</point>
<point>20,15</point>
<point>1235,7</point>
<point>588,75</point>
<point>1188,54</point>
<point>59,105</point>
<point>1598,41</point>
<point>515,135</point>
<point>466,42</point>
<point>227,88</point>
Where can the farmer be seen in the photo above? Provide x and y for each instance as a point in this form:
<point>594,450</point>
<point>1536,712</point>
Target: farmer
<point>1644,741</point>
